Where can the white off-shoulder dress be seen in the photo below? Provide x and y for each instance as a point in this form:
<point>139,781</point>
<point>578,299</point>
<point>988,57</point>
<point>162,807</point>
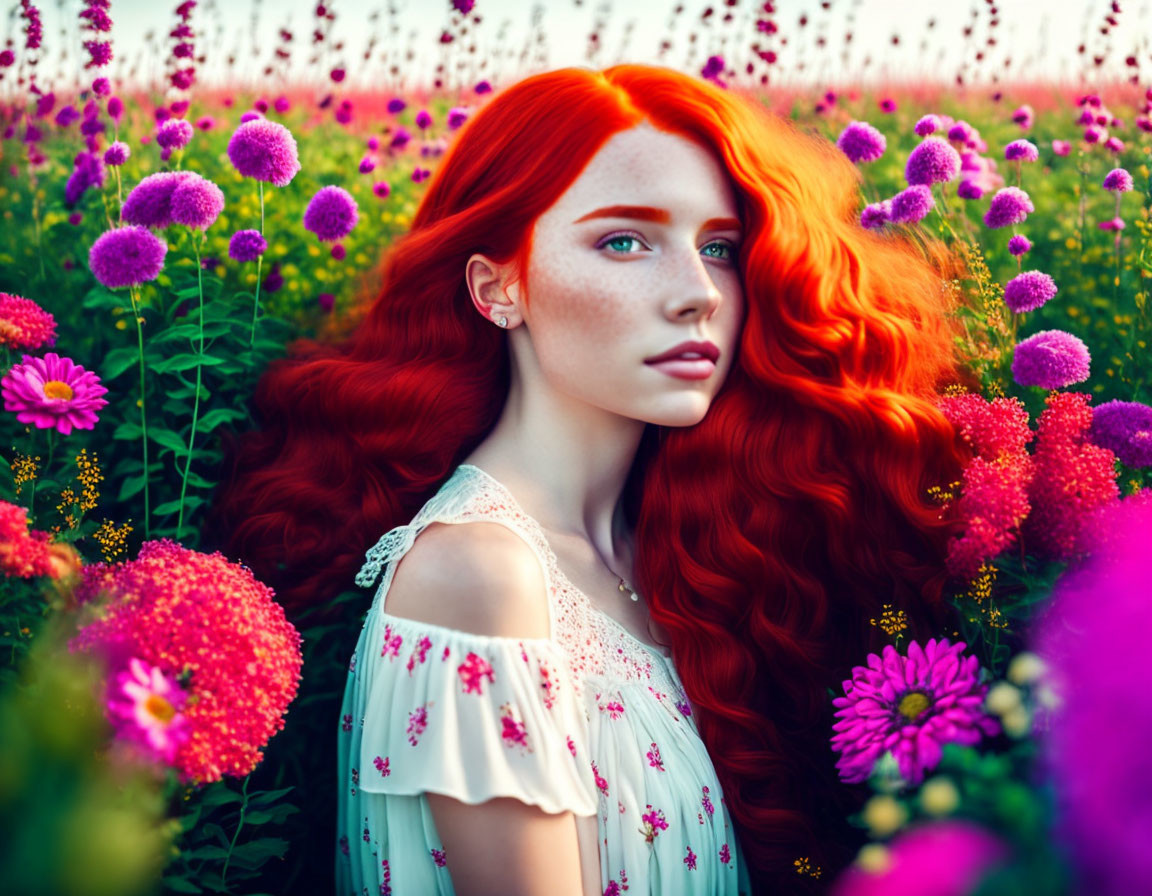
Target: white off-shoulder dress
<point>589,720</point>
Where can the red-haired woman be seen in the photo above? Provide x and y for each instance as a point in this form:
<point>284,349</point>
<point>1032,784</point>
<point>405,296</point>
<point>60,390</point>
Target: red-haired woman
<point>648,421</point>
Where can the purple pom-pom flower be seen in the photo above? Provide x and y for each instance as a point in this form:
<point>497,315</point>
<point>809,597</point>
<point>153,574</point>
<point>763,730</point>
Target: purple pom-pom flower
<point>934,161</point>
<point>1125,429</point>
<point>929,124</point>
<point>127,256</point>
<point>969,189</point>
<point>1028,291</point>
<point>196,202</point>
<point>457,115</point>
<point>117,153</point>
<point>1011,205</point>
<point>246,245</point>
<point>1051,359</point>
<point>1019,244</point>
<point>876,215</point>
<point>331,214</point>
<point>149,204</point>
<point>912,204</point>
<point>264,150</point>
<point>174,134</point>
<point>861,142</point>
<point>910,706</point>
<point>1022,150</point>
<point>1118,180</point>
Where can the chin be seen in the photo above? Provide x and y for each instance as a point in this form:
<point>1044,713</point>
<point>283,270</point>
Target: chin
<point>688,414</point>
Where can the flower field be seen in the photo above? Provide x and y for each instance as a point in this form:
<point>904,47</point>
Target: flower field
<point>163,724</point>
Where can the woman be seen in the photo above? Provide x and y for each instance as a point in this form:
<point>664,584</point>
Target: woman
<point>647,559</point>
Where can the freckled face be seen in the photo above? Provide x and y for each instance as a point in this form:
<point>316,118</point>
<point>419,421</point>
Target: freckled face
<point>609,289</point>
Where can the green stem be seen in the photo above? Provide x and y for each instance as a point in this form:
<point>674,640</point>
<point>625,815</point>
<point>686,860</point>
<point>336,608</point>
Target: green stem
<point>1083,200</point>
<point>143,415</point>
<point>39,232</point>
<point>196,402</point>
<point>259,267</point>
<point>235,836</point>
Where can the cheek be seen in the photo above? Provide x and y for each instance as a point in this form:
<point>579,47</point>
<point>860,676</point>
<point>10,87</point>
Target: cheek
<point>569,300</point>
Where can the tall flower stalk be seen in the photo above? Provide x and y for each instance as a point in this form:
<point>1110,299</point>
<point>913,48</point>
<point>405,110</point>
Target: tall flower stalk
<point>197,239</point>
<point>259,267</point>
<point>143,414</point>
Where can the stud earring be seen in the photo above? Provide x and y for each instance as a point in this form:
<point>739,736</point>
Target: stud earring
<point>503,322</point>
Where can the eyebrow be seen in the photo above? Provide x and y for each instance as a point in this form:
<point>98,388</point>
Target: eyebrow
<point>659,215</point>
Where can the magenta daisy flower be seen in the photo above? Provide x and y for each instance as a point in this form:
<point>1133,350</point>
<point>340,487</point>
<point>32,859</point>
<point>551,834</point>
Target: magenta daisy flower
<point>264,150</point>
<point>53,392</point>
<point>910,706</point>
<point>331,213</point>
<point>861,142</point>
<point>1028,291</point>
<point>24,325</point>
<point>934,161</point>
<point>1051,359</point>
<point>127,256</point>
<point>1011,205</point>
<point>144,706</point>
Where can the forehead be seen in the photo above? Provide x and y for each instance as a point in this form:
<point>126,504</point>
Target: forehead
<point>647,166</point>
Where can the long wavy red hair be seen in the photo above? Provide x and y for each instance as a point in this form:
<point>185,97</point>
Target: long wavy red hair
<point>767,536</point>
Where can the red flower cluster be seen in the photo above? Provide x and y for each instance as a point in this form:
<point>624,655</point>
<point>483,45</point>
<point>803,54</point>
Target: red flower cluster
<point>183,77</point>
<point>23,553</point>
<point>994,497</point>
<point>212,624</point>
<point>1072,477</point>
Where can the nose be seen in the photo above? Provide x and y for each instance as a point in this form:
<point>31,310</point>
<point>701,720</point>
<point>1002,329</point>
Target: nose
<point>695,293</point>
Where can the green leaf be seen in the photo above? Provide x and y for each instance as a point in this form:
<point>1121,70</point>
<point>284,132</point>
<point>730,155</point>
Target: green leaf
<point>117,361</point>
<point>266,797</point>
<point>176,333</point>
<point>127,431</point>
<point>219,795</point>
<point>185,361</point>
<point>168,439</point>
<point>166,507</point>
<point>217,416</point>
<point>132,485</point>
<point>179,885</point>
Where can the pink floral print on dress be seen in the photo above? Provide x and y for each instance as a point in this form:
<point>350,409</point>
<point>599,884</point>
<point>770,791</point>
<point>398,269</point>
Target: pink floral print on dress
<point>571,746</point>
<point>512,729</point>
<point>392,643</point>
<point>654,823</point>
<point>690,859</point>
<point>706,802</point>
<point>600,782</point>
<point>417,722</point>
<point>438,857</point>
<point>547,686</point>
<point>419,653</point>
<point>382,766</point>
<point>654,759</point>
<point>614,708</point>
<point>472,673</point>
<point>725,855</point>
<point>386,884</point>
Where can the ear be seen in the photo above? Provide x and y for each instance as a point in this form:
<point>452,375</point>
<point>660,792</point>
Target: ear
<point>493,288</point>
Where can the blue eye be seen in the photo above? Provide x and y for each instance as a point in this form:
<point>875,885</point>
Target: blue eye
<point>619,238</point>
<point>726,247</point>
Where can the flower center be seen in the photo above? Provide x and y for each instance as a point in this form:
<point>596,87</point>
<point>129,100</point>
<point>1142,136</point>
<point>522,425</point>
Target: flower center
<point>57,389</point>
<point>159,708</point>
<point>913,703</point>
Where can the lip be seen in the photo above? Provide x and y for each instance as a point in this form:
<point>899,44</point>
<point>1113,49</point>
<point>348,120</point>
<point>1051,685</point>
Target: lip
<point>692,369</point>
<point>709,350</point>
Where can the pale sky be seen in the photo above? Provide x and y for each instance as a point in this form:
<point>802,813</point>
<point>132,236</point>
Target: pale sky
<point>1039,38</point>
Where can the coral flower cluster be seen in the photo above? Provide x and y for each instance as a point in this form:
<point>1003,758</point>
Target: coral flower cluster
<point>24,553</point>
<point>205,623</point>
<point>24,325</point>
<point>994,491</point>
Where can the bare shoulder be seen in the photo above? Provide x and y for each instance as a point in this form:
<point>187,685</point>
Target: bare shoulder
<point>478,577</point>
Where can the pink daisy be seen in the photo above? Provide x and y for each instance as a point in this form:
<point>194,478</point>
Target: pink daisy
<point>53,392</point>
<point>910,706</point>
<point>145,706</point>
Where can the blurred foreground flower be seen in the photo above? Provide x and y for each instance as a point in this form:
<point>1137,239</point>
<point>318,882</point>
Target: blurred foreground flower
<point>24,325</point>
<point>145,706</point>
<point>941,858</point>
<point>53,393</point>
<point>23,553</point>
<point>910,706</point>
<point>1125,429</point>
<point>1094,640</point>
<point>201,617</point>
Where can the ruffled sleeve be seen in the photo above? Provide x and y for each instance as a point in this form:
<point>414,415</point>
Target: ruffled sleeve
<point>471,716</point>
